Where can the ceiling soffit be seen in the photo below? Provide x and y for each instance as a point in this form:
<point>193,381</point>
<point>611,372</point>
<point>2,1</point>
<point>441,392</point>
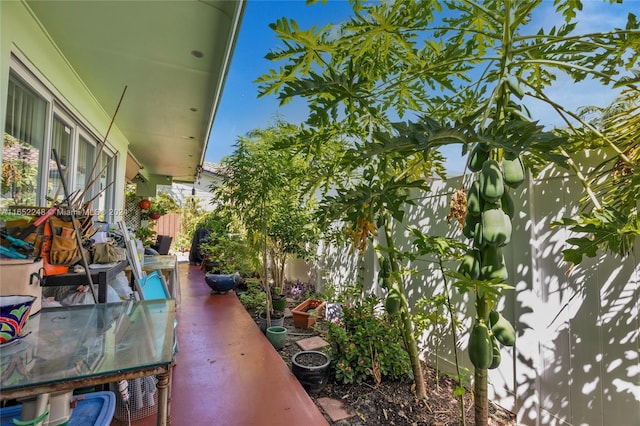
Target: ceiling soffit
<point>171,55</point>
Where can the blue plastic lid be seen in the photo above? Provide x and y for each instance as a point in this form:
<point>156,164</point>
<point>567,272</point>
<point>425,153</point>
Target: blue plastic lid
<point>97,409</point>
<point>7,415</point>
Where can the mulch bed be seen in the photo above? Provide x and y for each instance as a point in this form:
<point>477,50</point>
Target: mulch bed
<point>392,402</point>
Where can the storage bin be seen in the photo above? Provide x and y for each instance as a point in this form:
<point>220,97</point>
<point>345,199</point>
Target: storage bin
<point>97,409</point>
<point>94,408</point>
<point>16,279</point>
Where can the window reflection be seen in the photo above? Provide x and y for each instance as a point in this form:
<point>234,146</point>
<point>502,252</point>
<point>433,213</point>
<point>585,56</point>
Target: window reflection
<point>23,145</point>
<point>61,143</point>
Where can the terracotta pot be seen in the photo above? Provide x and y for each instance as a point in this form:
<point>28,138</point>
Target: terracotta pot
<point>155,216</point>
<point>302,318</point>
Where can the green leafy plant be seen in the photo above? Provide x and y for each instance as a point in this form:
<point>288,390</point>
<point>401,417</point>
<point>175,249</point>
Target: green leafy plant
<point>227,247</point>
<point>190,213</point>
<point>263,186</point>
<point>367,346</point>
<point>228,254</point>
<point>146,235</point>
<point>162,204</point>
<point>157,208</point>
<point>458,72</point>
<point>253,298</point>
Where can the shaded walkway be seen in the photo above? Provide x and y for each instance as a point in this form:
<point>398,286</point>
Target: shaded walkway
<point>227,373</point>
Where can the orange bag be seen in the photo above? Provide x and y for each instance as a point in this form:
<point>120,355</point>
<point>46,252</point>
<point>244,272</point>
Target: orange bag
<point>64,244</point>
<point>50,269</point>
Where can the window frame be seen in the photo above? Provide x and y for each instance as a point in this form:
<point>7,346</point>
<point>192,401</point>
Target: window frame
<point>55,107</point>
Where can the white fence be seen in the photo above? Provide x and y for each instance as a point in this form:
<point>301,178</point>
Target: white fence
<point>576,359</point>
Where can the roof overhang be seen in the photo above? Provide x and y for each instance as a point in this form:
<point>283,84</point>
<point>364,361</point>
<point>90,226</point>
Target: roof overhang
<point>173,57</point>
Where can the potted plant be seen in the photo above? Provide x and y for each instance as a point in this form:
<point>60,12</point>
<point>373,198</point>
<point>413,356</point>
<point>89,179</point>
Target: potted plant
<point>307,312</point>
<point>278,299</point>
<point>277,335</point>
<point>276,319</point>
<point>146,235</point>
<point>156,209</point>
<point>311,368</point>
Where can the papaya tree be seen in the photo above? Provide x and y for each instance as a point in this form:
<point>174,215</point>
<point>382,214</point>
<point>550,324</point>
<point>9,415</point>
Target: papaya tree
<point>458,72</point>
<point>611,223</point>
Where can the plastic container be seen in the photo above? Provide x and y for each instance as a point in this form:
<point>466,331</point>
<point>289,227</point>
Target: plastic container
<point>311,368</point>
<point>95,409</point>
<point>57,404</point>
<point>15,276</point>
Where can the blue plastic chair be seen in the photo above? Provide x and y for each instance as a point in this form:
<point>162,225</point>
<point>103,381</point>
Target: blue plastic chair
<point>153,287</point>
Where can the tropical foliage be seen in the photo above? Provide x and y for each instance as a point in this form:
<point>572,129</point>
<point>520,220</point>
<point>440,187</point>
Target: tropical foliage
<point>190,213</point>
<point>263,187</point>
<point>459,73</point>
<point>609,220</point>
<point>366,346</point>
<point>227,248</point>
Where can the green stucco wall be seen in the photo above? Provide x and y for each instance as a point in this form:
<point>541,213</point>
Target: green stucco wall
<point>23,36</point>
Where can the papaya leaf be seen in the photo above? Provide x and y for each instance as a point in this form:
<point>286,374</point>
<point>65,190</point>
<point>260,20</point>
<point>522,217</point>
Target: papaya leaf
<point>606,229</point>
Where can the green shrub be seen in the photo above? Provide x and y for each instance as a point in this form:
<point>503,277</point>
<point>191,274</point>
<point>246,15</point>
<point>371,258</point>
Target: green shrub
<point>253,298</point>
<point>367,346</point>
<point>227,248</point>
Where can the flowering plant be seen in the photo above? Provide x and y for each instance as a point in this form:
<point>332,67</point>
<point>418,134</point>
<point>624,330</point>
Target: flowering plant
<point>298,290</point>
<point>365,345</point>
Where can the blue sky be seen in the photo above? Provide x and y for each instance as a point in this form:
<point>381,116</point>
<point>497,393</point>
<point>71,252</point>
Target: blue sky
<point>240,110</point>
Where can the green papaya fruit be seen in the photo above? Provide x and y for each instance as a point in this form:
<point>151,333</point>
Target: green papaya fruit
<point>479,154</point>
<point>493,317</point>
<point>385,273</point>
<point>385,267</point>
<point>469,226</point>
<point>393,302</point>
<point>474,201</point>
<point>513,170</point>
<point>503,330</point>
<point>480,347</point>
<point>514,86</point>
<point>491,181</point>
<point>506,202</point>
<point>496,226</point>
<point>492,265</point>
<point>495,361</point>
<point>478,241</point>
<point>470,265</point>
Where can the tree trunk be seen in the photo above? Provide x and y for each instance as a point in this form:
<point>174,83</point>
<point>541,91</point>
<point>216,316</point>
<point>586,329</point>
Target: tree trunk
<point>412,348</point>
<point>407,325</point>
<point>481,399</point>
<point>280,282</point>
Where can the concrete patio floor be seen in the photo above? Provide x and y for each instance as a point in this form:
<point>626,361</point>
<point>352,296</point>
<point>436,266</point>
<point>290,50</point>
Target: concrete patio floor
<point>227,373</point>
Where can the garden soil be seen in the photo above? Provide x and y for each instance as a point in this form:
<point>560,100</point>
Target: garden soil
<point>392,402</point>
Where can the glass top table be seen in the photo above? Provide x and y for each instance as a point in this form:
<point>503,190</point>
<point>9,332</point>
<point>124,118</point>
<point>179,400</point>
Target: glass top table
<point>76,346</point>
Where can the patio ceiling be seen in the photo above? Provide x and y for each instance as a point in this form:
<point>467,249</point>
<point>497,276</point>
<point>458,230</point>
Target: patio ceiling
<point>172,56</point>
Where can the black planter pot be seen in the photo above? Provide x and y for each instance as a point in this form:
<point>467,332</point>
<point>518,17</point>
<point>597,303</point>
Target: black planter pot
<point>274,321</point>
<point>279,302</point>
<point>311,368</point>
